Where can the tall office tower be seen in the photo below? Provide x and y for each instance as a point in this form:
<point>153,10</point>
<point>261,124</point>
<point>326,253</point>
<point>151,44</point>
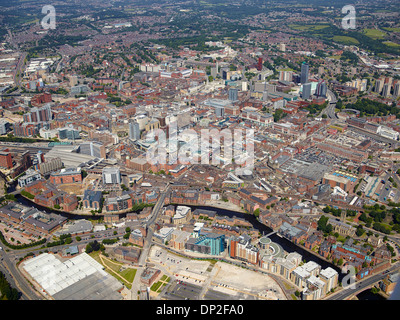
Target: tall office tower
<point>38,114</point>
<point>219,111</point>
<point>306,91</point>
<point>386,90</point>
<point>259,64</point>
<point>286,76</point>
<point>388,80</point>
<point>304,73</point>
<point>134,130</point>
<point>378,86</point>
<point>321,89</point>
<point>233,94</point>
<point>363,86</point>
<point>282,47</point>
<point>396,90</point>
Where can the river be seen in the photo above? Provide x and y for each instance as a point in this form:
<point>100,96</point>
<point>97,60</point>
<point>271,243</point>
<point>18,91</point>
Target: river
<point>287,245</point>
<point>368,295</point>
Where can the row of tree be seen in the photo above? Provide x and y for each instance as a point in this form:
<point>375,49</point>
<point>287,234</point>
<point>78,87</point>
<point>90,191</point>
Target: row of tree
<point>6,291</point>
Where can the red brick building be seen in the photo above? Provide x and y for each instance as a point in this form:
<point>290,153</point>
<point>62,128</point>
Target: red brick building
<point>40,99</point>
<point>68,175</point>
<point>5,159</point>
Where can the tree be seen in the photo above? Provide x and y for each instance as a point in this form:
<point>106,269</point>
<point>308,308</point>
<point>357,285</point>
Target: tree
<point>360,231</point>
<point>323,225</point>
<point>93,246</point>
<point>278,115</point>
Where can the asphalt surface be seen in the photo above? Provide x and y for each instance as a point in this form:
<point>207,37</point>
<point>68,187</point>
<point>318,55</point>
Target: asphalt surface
<point>362,284</point>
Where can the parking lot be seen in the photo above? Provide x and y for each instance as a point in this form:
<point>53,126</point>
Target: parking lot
<point>180,290</point>
<point>313,154</point>
<point>197,279</point>
<point>177,265</point>
<point>18,235</point>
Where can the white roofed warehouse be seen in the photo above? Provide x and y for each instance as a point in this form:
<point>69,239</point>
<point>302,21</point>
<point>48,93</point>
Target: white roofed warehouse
<point>78,278</point>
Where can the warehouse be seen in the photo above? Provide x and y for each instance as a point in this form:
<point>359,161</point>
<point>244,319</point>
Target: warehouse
<point>78,278</point>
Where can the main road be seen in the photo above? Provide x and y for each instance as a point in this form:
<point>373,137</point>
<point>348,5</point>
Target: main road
<point>15,278</point>
<point>147,242</point>
<point>362,284</point>
<point>329,111</point>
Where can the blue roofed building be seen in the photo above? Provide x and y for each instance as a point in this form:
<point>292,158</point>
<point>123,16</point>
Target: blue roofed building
<point>207,243</point>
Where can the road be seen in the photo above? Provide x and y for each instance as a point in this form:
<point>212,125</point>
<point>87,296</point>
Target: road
<point>15,278</point>
<point>377,137</point>
<point>329,111</point>
<point>148,242</point>
<point>19,69</point>
<point>362,285</point>
<point>9,259</point>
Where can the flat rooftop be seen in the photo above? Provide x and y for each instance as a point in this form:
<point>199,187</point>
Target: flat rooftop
<point>80,278</point>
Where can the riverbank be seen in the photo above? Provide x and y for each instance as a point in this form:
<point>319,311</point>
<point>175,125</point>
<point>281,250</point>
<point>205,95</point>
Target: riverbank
<point>76,216</point>
<point>224,205</point>
<point>286,244</point>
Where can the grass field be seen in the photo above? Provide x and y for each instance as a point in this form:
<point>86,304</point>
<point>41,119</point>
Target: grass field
<point>157,286</point>
<point>374,33</point>
<point>310,27</point>
<point>125,275</point>
<point>392,29</point>
<point>345,40</point>
<point>391,44</point>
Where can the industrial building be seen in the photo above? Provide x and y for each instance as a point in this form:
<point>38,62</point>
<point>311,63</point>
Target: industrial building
<point>78,278</point>
<point>69,157</point>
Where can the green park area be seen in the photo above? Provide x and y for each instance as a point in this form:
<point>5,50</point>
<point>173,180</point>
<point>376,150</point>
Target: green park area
<point>374,33</point>
<point>345,40</point>
<point>308,27</point>
<point>116,269</point>
<point>391,44</point>
<point>157,286</point>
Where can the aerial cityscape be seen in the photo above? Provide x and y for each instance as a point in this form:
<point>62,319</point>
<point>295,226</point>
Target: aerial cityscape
<point>199,150</point>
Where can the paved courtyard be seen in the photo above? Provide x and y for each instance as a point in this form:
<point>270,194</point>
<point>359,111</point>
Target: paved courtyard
<point>203,280</point>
